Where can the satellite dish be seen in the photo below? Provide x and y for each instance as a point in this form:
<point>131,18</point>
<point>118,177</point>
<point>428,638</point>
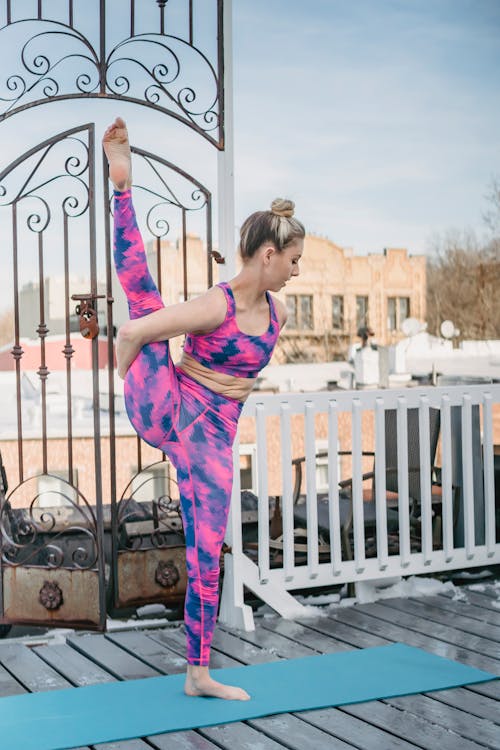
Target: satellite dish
<point>448,329</point>
<point>411,326</point>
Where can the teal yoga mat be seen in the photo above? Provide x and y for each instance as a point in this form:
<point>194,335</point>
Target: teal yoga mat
<point>61,719</point>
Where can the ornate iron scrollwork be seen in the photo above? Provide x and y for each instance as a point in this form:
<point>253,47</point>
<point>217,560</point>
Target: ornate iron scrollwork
<point>30,535</point>
<point>166,71</point>
<point>152,523</point>
<point>35,188</point>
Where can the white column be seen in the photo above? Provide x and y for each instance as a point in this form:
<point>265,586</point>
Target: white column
<point>225,158</point>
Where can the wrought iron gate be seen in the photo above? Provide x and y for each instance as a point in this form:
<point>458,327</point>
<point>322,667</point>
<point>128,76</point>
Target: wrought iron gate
<point>90,522</point>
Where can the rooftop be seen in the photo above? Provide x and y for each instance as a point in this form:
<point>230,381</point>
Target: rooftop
<point>460,623</point>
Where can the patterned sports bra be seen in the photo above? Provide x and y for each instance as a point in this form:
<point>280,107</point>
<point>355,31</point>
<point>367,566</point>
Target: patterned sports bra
<point>229,350</point>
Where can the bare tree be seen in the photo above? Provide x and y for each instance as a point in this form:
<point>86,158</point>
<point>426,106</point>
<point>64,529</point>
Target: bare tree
<point>492,215</point>
<point>463,279</point>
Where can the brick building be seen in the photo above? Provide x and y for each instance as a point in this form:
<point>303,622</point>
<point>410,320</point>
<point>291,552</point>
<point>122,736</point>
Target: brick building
<point>335,294</point>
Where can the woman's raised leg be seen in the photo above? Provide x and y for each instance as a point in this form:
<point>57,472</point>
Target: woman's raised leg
<point>151,388</point>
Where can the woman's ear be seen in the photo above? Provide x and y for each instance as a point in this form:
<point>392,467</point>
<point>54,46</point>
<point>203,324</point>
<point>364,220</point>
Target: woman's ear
<point>269,251</point>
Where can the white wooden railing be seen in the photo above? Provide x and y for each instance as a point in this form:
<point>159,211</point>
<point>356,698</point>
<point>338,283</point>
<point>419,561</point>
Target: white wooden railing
<point>466,440</point>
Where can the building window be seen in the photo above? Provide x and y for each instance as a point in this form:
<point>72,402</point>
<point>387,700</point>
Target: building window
<point>361,312</point>
<point>338,312</point>
<point>300,311</point>
<point>398,309</point>
<point>306,311</point>
<point>291,306</point>
<point>404,308</point>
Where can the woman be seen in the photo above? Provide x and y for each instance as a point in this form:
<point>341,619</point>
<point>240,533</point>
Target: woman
<point>190,410</point>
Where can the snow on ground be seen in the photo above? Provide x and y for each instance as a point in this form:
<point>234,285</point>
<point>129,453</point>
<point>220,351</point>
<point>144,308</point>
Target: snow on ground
<point>414,586</point>
<point>404,588</point>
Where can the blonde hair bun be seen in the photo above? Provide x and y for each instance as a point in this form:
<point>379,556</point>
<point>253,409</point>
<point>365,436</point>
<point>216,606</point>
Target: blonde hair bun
<point>283,207</point>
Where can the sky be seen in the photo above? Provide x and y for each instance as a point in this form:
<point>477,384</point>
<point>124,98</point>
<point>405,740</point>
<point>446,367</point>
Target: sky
<point>379,118</point>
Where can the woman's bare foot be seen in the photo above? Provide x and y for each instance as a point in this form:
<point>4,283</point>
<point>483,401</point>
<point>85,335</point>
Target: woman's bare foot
<point>117,149</point>
<point>199,682</point>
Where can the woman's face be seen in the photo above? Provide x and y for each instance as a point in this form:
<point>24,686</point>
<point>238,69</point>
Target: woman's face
<point>286,263</point>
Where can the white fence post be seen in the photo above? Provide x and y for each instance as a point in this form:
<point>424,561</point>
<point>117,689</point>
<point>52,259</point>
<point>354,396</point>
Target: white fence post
<point>233,610</point>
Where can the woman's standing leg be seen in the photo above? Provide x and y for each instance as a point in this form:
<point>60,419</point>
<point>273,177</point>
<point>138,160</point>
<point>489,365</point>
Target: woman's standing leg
<point>205,477</point>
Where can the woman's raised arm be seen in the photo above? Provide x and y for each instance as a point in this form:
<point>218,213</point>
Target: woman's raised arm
<point>201,314</point>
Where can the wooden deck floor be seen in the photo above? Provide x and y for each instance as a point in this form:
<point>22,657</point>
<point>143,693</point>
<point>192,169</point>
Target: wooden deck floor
<point>458,719</point>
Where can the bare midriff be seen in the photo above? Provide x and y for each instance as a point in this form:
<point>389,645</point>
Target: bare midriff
<point>227,385</point>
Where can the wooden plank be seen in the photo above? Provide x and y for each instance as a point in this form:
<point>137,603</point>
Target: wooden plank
<point>297,734</point>
<point>181,741</point>
<point>8,685</point>
<point>325,644</point>
<point>460,607</point>
<point>485,602</point>
<point>489,689</point>
<point>458,621</point>
<point>479,730</point>
<point>72,665</point>
<point>241,650</point>
<point>111,657</point>
<point>472,703</point>
<point>176,641</point>
<point>377,619</point>
<point>150,651</point>
<point>354,730</point>
<point>409,727</point>
<point>405,616</point>
<point>358,637</point>
<point>265,639</point>
<point>489,590</point>
<point>31,671</point>
<point>241,736</point>
<point>124,745</point>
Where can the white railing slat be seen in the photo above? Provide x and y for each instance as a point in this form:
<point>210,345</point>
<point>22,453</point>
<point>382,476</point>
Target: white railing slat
<point>425,478</point>
<point>448,495</point>
<point>468,477</point>
<point>380,485</point>
<point>489,476</point>
<point>311,494</point>
<point>233,528</point>
<point>403,492</point>
<point>357,487</point>
<point>287,502</point>
<point>262,492</point>
<point>333,489</point>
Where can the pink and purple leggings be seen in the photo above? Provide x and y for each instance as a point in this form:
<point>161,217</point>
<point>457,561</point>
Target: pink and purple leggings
<point>193,425</point>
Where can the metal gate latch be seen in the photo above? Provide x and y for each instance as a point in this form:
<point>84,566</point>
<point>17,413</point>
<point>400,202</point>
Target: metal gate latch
<point>89,325</point>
